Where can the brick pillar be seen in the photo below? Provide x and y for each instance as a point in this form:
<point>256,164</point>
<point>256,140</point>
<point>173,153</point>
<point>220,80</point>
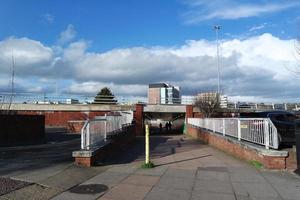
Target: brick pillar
<point>189,111</point>
<point>139,121</point>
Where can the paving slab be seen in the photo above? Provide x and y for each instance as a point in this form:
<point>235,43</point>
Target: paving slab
<point>108,178</point>
<point>70,177</point>
<point>192,171</point>
<point>213,175</point>
<point>247,177</point>
<point>143,180</point>
<point>168,194</point>
<point>213,186</point>
<point>212,196</point>
<point>157,171</point>
<point>74,196</point>
<point>176,183</point>
<point>127,192</point>
<point>180,173</point>
<point>289,190</point>
<point>259,190</point>
<point>127,168</point>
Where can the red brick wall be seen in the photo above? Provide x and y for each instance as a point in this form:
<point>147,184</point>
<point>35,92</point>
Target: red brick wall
<point>237,150</point>
<point>61,118</point>
<point>139,121</point>
<point>75,126</point>
<point>291,160</point>
<point>189,111</point>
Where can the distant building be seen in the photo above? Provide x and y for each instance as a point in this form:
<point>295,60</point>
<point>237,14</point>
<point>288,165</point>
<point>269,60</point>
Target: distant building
<point>224,101</point>
<point>188,100</point>
<point>162,93</point>
<point>72,101</point>
<point>209,95</point>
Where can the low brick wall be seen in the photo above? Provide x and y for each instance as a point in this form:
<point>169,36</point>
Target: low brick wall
<point>62,118</point>
<point>115,143</point>
<point>21,129</point>
<point>75,126</point>
<point>271,159</point>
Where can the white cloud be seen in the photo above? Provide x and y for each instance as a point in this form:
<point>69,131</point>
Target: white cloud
<point>48,18</point>
<point>258,27</point>
<point>29,56</point>
<point>200,10</point>
<point>92,87</point>
<point>67,35</point>
<point>252,67</point>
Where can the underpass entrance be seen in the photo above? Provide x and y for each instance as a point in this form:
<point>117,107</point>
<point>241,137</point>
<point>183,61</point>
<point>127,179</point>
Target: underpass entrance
<point>165,123</point>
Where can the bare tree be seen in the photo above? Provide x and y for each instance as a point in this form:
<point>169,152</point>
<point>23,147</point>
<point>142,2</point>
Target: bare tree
<point>208,103</point>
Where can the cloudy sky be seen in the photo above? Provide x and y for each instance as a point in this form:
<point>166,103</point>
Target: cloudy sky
<point>81,46</point>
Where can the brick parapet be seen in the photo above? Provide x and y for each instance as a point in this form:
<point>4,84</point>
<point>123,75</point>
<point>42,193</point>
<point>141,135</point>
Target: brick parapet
<point>115,143</point>
<point>271,159</point>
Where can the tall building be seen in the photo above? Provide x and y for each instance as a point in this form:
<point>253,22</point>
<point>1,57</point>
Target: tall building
<point>162,93</point>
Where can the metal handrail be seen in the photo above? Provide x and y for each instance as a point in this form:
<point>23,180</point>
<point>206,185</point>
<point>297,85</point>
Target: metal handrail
<point>95,131</point>
<point>260,131</point>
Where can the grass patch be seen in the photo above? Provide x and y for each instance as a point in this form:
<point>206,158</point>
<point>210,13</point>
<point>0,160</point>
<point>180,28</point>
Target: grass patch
<point>256,164</point>
<point>147,165</point>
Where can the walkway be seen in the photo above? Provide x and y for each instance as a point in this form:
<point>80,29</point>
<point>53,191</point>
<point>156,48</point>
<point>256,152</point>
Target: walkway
<point>186,170</point>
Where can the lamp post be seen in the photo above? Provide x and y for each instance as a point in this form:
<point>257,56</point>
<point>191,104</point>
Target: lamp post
<point>217,28</point>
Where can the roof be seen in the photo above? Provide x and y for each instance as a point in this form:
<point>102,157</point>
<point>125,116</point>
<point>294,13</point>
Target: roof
<point>158,85</point>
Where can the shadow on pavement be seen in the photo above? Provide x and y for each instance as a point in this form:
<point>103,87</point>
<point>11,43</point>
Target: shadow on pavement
<point>179,161</point>
<point>136,151</point>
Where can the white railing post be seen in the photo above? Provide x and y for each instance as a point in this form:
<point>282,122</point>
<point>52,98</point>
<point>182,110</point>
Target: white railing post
<point>239,129</point>
<point>83,137</point>
<point>266,132</point>
<point>105,128</point>
<point>88,138</point>
<point>224,127</point>
<point>214,125</point>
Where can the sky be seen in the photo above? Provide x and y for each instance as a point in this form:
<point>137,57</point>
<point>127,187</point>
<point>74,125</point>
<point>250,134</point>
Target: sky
<point>80,46</point>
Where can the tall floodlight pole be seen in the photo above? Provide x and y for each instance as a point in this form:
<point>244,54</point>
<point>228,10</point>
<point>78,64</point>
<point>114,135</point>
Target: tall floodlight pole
<point>217,28</point>
<point>12,80</point>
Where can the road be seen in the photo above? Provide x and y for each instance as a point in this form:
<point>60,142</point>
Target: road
<point>25,162</point>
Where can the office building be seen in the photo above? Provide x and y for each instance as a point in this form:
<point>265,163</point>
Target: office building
<point>162,93</point>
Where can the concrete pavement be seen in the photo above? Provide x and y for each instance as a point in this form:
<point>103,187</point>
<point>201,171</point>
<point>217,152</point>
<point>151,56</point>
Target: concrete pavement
<point>186,170</point>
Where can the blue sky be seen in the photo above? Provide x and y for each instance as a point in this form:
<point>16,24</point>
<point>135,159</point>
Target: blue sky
<point>107,35</point>
<point>118,23</point>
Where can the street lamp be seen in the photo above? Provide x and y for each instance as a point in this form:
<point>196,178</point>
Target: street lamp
<point>217,28</point>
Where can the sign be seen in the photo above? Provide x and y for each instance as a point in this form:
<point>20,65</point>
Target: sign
<point>244,126</point>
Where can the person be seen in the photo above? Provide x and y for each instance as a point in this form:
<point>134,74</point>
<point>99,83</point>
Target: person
<point>170,125</point>
<point>160,127</point>
<point>167,126</point>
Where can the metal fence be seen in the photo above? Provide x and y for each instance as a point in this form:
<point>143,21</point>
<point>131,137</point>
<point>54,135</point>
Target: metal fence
<point>96,131</point>
<point>255,130</point>
<point>63,98</point>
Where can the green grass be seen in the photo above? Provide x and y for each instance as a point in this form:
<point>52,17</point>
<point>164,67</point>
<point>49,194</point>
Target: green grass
<point>147,165</point>
<point>256,164</point>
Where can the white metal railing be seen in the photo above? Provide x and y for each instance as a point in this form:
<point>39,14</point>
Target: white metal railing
<point>95,131</point>
<point>255,130</point>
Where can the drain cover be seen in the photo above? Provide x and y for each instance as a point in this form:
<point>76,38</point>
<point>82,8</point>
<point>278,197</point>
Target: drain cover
<point>89,189</point>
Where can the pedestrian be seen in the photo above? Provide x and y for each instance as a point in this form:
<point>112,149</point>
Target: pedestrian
<point>170,125</point>
<point>160,127</point>
<point>167,126</point>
